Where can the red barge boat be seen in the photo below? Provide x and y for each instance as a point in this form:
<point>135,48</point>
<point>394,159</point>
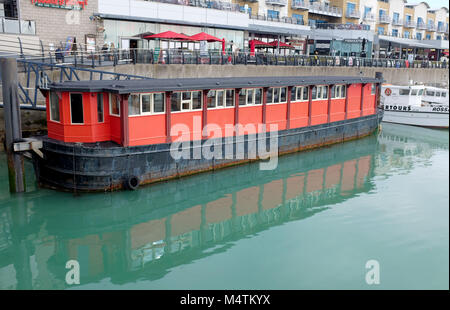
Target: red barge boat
<point>107,135</point>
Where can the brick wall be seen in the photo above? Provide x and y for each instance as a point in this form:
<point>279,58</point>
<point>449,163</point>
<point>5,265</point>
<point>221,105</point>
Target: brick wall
<point>54,25</point>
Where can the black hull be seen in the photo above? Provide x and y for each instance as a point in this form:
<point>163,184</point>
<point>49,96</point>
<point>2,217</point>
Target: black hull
<point>105,166</point>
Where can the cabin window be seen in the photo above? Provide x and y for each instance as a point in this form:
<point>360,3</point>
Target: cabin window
<point>294,93</point>
<point>134,106</point>
<point>414,92</point>
<point>277,95</point>
<point>403,92</point>
<point>196,100</point>
<point>76,108</point>
<point>302,94</point>
<point>229,98</point>
<point>438,94</point>
<point>373,89</point>
<point>54,107</point>
<point>100,117</point>
<point>175,102</point>
<point>444,95</point>
<point>420,92</point>
<point>221,98</point>
<point>320,92</point>
<point>430,93</point>
<point>159,103</point>
<point>114,105</point>
<point>258,96</point>
<point>338,91</point>
<point>250,96</point>
<point>146,102</point>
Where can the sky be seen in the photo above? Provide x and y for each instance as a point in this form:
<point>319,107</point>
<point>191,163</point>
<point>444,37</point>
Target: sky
<point>434,4</point>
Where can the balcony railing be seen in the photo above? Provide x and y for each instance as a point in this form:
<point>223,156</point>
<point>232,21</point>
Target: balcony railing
<point>299,4</point>
<point>384,19</point>
<point>409,24</point>
<point>369,17</point>
<point>17,26</point>
<point>276,2</point>
<point>442,29</point>
<point>352,14</point>
<point>431,27</point>
<point>317,8</point>
<point>422,26</point>
<point>397,22</point>
<point>209,4</point>
<point>288,20</point>
<point>249,1</point>
<point>341,26</point>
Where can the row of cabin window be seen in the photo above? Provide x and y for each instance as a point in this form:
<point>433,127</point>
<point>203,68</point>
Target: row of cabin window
<point>154,103</point>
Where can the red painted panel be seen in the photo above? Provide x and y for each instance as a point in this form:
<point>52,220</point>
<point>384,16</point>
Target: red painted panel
<point>348,175</point>
<point>276,115</point>
<point>369,100</point>
<point>144,233</point>
<point>250,115</point>
<point>354,100</point>
<point>219,210</point>
<point>148,129</point>
<point>273,194</point>
<point>247,201</point>
<point>333,176</point>
<point>188,119</point>
<point>319,112</point>
<point>299,114</point>
<point>363,170</point>
<point>221,117</point>
<point>315,180</point>
<point>186,221</point>
<point>294,186</point>
<point>337,110</point>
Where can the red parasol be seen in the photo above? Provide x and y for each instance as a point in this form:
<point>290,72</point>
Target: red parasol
<point>170,35</point>
<point>202,36</point>
<point>281,44</point>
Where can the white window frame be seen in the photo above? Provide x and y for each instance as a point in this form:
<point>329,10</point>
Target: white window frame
<point>152,103</point>
<point>188,101</point>
<point>338,89</point>
<point>110,105</point>
<point>224,99</point>
<point>70,108</point>
<point>322,92</point>
<point>50,106</point>
<point>253,104</point>
<point>299,91</point>
<point>279,89</point>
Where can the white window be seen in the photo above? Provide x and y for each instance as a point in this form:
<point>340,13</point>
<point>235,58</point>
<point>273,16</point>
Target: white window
<point>319,92</point>
<point>100,116</point>
<point>338,91</point>
<point>220,98</point>
<point>403,92</point>
<point>250,96</point>
<point>114,105</point>
<point>277,95</point>
<point>146,104</point>
<point>186,101</point>
<point>429,93</point>
<point>299,93</point>
<point>54,107</point>
<point>373,89</point>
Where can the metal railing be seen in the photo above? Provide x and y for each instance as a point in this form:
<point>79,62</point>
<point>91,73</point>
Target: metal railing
<point>299,4</point>
<point>442,29</point>
<point>422,26</point>
<point>340,26</point>
<point>409,24</point>
<point>352,14</point>
<point>277,2</point>
<point>384,19</point>
<point>431,27</point>
<point>397,22</point>
<point>370,17</point>
<point>17,26</point>
<point>287,20</point>
<point>218,5</point>
<point>318,8</point>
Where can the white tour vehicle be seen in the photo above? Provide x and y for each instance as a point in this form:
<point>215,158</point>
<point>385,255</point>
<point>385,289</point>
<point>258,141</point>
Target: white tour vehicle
<point>411,105</point>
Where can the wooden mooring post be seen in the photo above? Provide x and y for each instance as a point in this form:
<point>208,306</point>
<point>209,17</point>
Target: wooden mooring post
<point>13,130</point>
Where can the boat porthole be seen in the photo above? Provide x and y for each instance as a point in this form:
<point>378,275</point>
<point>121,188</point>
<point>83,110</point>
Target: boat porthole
<point>132,183</point>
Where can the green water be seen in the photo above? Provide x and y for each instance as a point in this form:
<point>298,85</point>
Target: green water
<point>313,223</point>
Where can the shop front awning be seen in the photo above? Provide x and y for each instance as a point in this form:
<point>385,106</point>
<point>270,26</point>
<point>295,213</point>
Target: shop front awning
<point>411,43</point>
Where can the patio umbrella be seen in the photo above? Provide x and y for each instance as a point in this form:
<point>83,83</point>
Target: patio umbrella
<point>280,44</point>
<point>169,35</point>
<point>256,43</point>
<point>202,36</point>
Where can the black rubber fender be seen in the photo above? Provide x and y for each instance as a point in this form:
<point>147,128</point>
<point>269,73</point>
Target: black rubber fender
<point>132,182</point>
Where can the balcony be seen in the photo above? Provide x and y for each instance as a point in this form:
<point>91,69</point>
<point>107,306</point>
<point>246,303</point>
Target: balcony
<point>276,2</point>
<point>317,8</point>
<point>431,27</point>
<point>17,26</point>
<point>353,14</point>
<point>300,5</point>
<point>397,22</point>
<point>442,29</point>
<point>384,19</point>
<point>422,26</point>
<point>252,1</point>
<point>369,17</point>
<point>409,24</point>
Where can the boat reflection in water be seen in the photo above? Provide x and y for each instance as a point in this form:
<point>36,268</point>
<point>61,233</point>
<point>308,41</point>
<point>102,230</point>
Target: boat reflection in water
<point>126,236</point>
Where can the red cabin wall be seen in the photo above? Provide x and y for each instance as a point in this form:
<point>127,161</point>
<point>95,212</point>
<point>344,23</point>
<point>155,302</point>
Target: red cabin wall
<point>187,119</point>
<point>221,117</point>
<point>147,129</point>
<point>369,101</point>
<point>319,112</point>
<point>337,110</point>
<point>299,114</point>
<point>354,100</point>
<point>250,115</point>
<point>276,115</point>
